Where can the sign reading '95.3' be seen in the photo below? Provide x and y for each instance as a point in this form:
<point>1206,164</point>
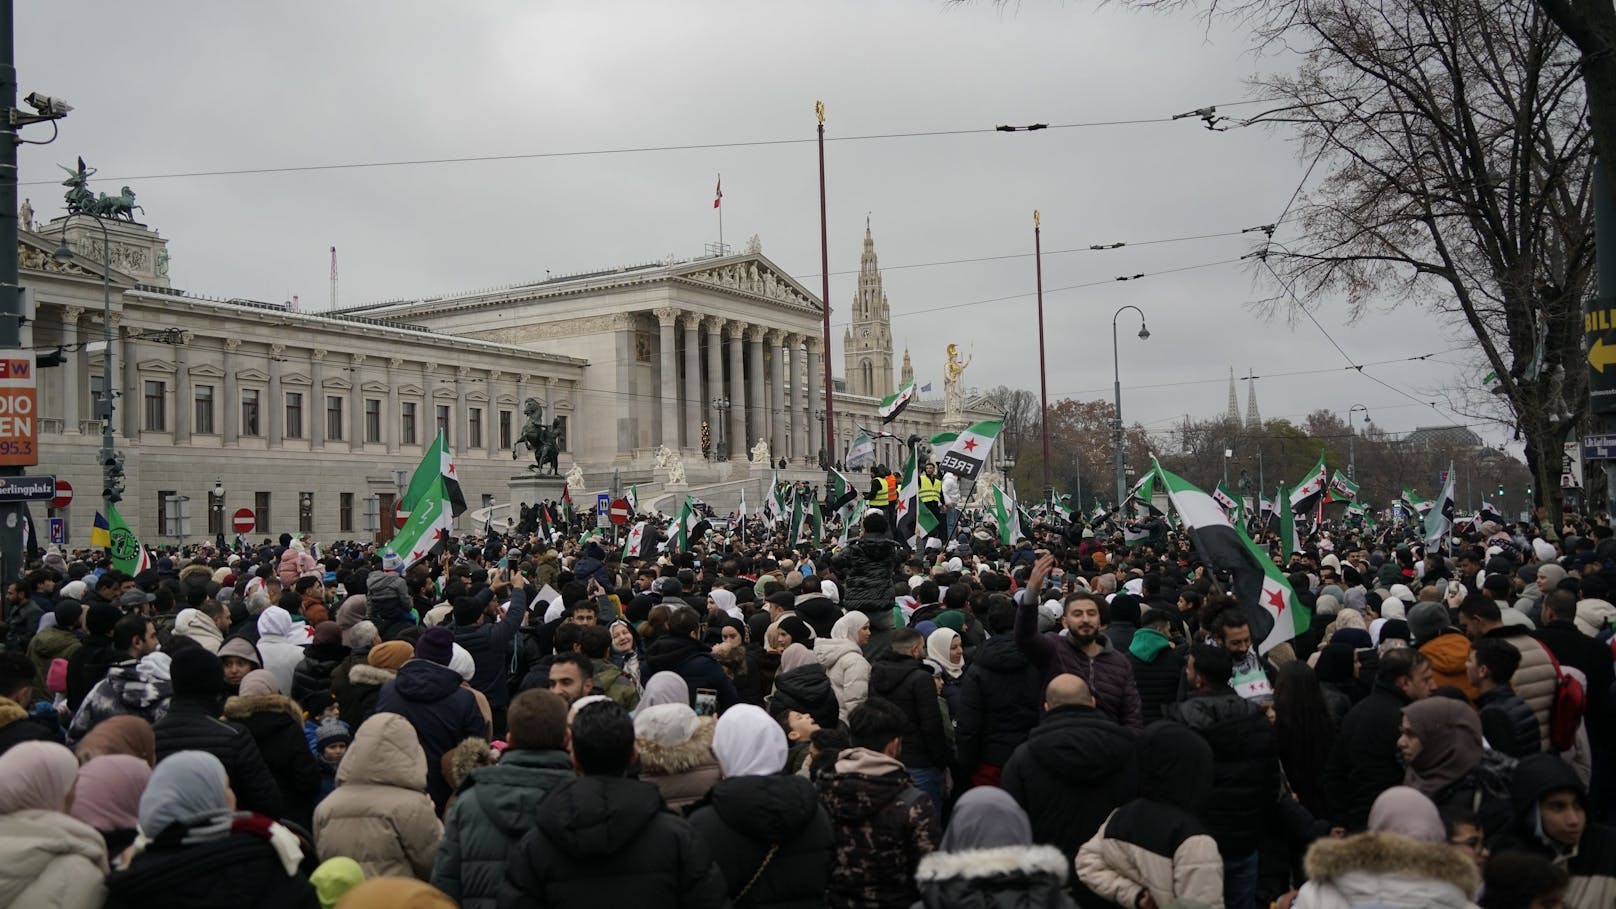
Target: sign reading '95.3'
<point>19,418</point>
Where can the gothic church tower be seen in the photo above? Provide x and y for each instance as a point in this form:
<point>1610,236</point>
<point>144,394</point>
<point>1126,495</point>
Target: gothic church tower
<point>867,345</point>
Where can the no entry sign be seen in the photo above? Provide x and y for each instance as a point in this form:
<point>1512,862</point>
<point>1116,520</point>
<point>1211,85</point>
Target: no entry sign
<point>19,444</point>
<point>243,520</point>
<point>619,512</point>
<point>64,494</point>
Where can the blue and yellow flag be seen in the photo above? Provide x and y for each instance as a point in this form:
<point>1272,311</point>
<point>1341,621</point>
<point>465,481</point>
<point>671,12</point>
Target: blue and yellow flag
<point>101,534</point>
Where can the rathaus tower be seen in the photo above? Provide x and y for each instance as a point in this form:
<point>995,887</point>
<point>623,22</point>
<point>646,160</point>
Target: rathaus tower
<point>867,345</point>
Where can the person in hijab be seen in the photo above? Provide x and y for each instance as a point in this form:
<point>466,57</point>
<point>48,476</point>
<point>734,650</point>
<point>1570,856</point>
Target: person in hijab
<point>1403,861</point>
<point>945,653</point>
<point>740,662</point>
<point>722,601</point>
<point>676,751</point>
<point>1156,843</point>
<point>46,857</point>
<point>280,645</point>
<point>196,850</point>
<point>663,688</point>
<point>842,655</point>
<point>769,833</point>
<point>119,735</point>
<point>107,797</point>
<point>988,858</point>
<point>1441,745</point>
<point>803,686</point>
<point>625,653</point>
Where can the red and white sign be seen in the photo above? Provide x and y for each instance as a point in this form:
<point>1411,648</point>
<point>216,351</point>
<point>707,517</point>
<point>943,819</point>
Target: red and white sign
<point>19,443</point>
<point>243,520</point>
<point>619,511</point>
<point>64,494</point>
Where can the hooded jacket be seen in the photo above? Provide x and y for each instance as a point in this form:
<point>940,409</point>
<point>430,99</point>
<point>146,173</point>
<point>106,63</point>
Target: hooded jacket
<point>882,825</point>
<point>1245,768</point>
<point>1592,862</point>
<point>1157,842</point>
<point>902,679</point>
<point>377,815</point>
<point>357,699</point>
<point>692,661</point>
<point>16,726</point>
<point>1386,869</point>
<point>195,624</point>
<point>313,673</point>
<point>280,645</point>
<point>276,724</point>
<point>1447,652</point>
<point>848,670</point>
<point>868,568</point>
<point>53,643</point>
<point>132,688</point>
<point>1074,768</point>
<point>442,713</point>
<point>490,814</point>
<point>387,597</point>
<point>1108,674</point>
<point>1003,877</point>
<point>50,859</point>
<point>1158,668</point>
<point>1000,696</point>
<point>744,818</point>
<point>682,771</point>
<point>597,836</point>
<point>806,689</point>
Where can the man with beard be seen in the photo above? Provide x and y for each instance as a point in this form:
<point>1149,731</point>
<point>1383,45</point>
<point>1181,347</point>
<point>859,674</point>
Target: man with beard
<point>1082,651</point>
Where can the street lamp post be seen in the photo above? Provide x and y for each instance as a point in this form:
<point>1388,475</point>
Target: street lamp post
<point>721,405</point>
<point>110,468</point>
<point>1043,381</point>
<point>1116,374</point>
<point>1352,439</point>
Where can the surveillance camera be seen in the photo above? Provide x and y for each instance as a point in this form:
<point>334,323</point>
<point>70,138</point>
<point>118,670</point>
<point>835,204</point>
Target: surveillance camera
<point>48,106</point>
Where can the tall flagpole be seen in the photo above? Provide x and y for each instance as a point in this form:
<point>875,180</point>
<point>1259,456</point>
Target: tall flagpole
<point>1043,382</point>
<point>827,444</point>
<point>718,203</point>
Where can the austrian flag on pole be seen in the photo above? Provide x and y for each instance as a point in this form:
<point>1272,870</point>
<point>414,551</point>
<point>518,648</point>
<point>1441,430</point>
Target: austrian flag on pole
<point>718,192</point>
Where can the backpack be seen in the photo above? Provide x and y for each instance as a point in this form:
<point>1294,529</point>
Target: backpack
<point>1567,709</point>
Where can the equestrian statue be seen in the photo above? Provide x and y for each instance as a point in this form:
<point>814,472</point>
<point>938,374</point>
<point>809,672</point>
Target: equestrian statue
<point>544,441</point>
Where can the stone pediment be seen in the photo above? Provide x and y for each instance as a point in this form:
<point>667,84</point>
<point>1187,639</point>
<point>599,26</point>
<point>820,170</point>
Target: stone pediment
<point>296,378</point>
<point>404,389</point>
<point>380,387</point>
<point>337,382</point>
<point>752,276</point>
<point>164,366</point>
<point>252,375</point>
<point>38,256</point>
<point>206,371</point>
<point>477,397</point>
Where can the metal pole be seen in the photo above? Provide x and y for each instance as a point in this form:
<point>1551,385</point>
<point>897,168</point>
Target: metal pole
<point>1043,381</point>
<point>11,534</point>
<point>1605,259</point>
<point>1116,420</point>
<point>827,442</point>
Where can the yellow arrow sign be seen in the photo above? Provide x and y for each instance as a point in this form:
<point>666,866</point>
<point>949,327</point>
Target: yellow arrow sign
<point>1601,355</point>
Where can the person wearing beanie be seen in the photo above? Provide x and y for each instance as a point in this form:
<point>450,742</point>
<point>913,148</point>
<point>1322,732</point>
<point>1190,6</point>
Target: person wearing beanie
<point>1445,646</point>
<point>331,739</point>
<point>192,724</point>
<point>1125,614</point>
<point>357,700</point>
<point>428,695</point>
<point>378,815</point>
<point>324,653</point>
<point>276,724</point>
<point>239,656</point>
<point>335,878</point>
<point>89,664</point>
<point>494,807</point>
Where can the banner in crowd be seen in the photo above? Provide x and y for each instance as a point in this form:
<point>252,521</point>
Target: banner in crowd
<point>968,451</point>
<point>1342,489</point>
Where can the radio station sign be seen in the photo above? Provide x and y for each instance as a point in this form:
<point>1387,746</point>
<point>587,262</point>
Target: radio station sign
<point>19,423</point>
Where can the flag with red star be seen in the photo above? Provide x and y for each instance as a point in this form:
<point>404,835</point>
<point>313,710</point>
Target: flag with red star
<point>1259,586</point>
<point>1310,491</point>
<point>436,463</point>
<point>430,522</point>
<point>965,456</point>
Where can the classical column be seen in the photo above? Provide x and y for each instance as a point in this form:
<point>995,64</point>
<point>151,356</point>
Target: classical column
<point>390,421</point>
<point>715,377</point>
<point>316,417</point>
<point>492,413</point>
<point>276,405</point>
<point>231,430</point>
<point>668,377</point>
<point>816,428</point>
<point>692,385</point>
<point>755,386</point>
<point>133,402</point>
<point>801,407</point>
<point>776,421</point>
<point>70,370</point>
<point>627,385</point>
<point>356,403</point>
<point>737,391</point>
<point>182,389</point>
<point>458,434</point>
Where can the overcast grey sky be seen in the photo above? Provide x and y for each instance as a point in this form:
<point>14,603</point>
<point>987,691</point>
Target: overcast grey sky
<point>172,87</point>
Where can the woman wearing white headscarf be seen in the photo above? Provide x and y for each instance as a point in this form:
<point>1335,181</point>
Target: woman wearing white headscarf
<point>945,653</point>
<point>664,688</point>
<point>676,752</point>
<point>769,833</point>
<point>724,601</point>
<point>46,857</point>
<point>196,850</point>
<point>842,655</point>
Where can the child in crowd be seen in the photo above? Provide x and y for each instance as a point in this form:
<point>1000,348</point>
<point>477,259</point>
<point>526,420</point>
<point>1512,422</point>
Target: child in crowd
<point>318,706</point>
<point>800,729</point>
<point>331,741</point>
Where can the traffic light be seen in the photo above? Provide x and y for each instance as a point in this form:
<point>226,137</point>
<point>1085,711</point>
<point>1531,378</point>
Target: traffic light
<point>1500,490</point>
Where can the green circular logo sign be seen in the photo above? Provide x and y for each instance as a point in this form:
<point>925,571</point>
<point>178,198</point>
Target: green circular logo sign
<point>124,546</point>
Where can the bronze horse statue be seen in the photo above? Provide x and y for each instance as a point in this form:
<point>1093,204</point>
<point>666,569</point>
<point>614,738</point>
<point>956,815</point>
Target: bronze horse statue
<point>544,441</point>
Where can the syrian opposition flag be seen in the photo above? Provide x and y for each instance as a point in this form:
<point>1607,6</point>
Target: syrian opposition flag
<point>774,504</point>
<point>684,526</point>
<point>436,463</point>
<point>1439,520</point>
<point>842,491</point>
<point>894,404</point>
<point>855,513</point>
<point>1307,494</point>
<point>1098,515</point>
<point>969,451</point>
<point>637,541</point>
<point>1288,541</point>
<point>430,522</point>
<point>1142,493</point>
<point>910,511</point>
<point>1134,536</point>
<point>1062,508</point>
<point>1007,515</point>
<point>633,499</point>
<point>1490,512</point>
<point>1342,489</point>
<point>1416,505</point>
<point>861,453</point>
<point>1259,586</point>
<point>1492,383</point>
<point>1223,497</point>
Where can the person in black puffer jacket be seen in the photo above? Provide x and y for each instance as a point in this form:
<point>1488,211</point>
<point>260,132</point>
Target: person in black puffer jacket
<point>770,835</point>
<point>320,661</point>
<point>867,568</point>
<point>988,859</point>
<point>604,833</point>
<point>276,724</point>
<point>1000,697</point>
<point>1158,667</point>
<point>388,598</point>
<point>900,677</point>
<point>803,686</point>
<point>1245,766</point>
<point>428,694</point>
<point>679,652</point>
<point>1074,768</point>
<point>192,724</point>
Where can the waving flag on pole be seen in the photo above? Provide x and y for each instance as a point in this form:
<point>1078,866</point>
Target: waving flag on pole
<point>1223,497</point>
<point>1007,515</point>
<point>969,450</point>
<point>1342,489</point>
<point>684,526</point>
<point>1307,494</point>
<point>437,462</point>
<point>633,499</point>
<point>894,404</point>
<point>861,453</point>
<point>128,556</point>
<point>718,192</point>
<point>1439,520</point>
<point>101,533</point>
<point>1288,541</point>
<point>431,519</point>
<point>1259,586</point>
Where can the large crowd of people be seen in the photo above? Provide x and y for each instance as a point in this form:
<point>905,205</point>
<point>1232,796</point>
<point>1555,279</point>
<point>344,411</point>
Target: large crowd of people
<point>1083,718</point>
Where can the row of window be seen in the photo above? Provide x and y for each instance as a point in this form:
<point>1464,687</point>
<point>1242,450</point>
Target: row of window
<point>218,516</point>
<point>156,416</point>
